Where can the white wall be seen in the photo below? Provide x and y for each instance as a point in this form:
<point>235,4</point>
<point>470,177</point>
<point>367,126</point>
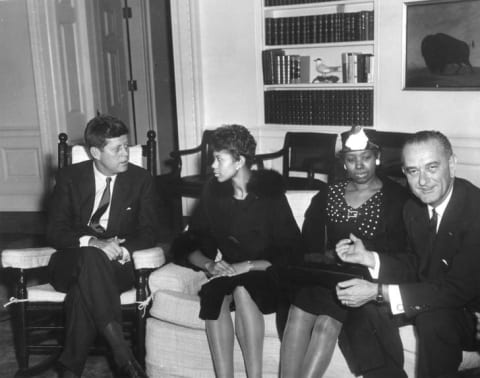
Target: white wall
<point>228,63</point>
<point>455,113</point>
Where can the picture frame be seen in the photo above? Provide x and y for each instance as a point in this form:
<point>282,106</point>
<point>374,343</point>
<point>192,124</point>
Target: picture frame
<point>440,41</point>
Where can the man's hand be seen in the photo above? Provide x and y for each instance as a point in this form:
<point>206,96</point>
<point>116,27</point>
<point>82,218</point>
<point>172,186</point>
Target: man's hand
<point>111,247</point>
<point>353,251</point>
<point>356,292</point>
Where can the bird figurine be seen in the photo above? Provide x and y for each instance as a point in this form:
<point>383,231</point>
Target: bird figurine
<point>324,70</point>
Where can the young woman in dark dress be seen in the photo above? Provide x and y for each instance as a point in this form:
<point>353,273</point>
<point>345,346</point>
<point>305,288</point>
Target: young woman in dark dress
<point>244,215</point>
<point>369,207</point>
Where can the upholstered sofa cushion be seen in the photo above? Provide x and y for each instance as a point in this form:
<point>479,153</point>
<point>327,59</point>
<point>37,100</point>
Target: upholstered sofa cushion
<point>177,302</point>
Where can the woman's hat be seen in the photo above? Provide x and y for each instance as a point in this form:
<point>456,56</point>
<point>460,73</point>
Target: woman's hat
<point>357,140</point>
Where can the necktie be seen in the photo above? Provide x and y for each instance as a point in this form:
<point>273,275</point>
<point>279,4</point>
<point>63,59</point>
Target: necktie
<point>432,234</point>
<point>433,223</point>
<point>102,207</point>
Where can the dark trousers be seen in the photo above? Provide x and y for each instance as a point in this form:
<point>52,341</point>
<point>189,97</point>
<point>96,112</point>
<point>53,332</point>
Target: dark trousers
<point>371,344</point>
<point>93,285</point>
<point>442,336</point>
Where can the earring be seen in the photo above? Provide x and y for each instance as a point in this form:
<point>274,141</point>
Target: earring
<point>377,161</point>
<point>344,167</point>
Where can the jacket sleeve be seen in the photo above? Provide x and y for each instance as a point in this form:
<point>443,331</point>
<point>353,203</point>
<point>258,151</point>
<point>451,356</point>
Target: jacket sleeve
<point>314,225</point>
<point>143,233</point>
<point>286,247</point>
<point>64,227</point>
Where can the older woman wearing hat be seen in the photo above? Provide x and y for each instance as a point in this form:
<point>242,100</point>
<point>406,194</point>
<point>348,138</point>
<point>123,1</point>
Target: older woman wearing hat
<point>366,206</point>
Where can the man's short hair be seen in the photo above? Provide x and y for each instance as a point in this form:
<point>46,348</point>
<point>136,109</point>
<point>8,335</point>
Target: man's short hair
<point>428,135</point>
<point>103,127</point>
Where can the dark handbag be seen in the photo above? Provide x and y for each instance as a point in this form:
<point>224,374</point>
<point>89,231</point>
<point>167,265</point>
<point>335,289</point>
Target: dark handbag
<point>324,274</point>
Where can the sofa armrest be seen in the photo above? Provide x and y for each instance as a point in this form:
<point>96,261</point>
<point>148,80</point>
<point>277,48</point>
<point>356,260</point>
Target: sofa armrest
<point>150,258</point>
<point>27,258</point>
<point>177,278</point>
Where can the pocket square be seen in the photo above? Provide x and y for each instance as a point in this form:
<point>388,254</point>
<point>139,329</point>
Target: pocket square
<point>128,208</point>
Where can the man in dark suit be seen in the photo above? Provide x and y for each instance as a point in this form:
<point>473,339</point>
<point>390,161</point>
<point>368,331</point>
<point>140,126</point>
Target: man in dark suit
<point>437,282</point>
<point>100,212</point>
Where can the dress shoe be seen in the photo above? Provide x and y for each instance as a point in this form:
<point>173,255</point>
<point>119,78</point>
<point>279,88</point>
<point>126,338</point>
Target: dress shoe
<point>132,369</point>
<point>69,374</point>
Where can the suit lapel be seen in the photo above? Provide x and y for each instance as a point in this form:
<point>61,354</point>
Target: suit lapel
<point>420,227</point>
<point>86,186</point>
<point>430,264</point>
<point>120,195</point>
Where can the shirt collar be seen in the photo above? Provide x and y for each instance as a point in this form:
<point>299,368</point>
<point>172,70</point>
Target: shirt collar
<point>440,209</point>
<point>100,177</point>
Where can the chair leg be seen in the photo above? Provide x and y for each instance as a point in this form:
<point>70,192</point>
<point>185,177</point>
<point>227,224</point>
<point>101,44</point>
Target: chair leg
<point>21,336</point>
<point>20,322</point>
<point>139,336</point>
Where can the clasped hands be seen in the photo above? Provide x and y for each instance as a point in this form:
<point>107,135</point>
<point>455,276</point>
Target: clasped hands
<point>355,292</point>
<point>111,247</point>
<point>223,269</point>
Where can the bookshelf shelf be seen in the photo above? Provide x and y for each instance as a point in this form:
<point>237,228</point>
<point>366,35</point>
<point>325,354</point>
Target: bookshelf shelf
<point>325,45</point>
<point>305,41</point>
<point>313,86</point>
<point>317,4</point>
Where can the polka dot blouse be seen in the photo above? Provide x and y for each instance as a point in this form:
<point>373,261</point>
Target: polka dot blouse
<point>365,218</point>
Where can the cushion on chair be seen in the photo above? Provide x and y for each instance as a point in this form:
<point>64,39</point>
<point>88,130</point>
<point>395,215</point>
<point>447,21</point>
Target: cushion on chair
<point>299,200</point>
<point>46,293</point>
<point>177,278</point>
<point>182,308</point>
<point>26,258</point>
<point>150,258</point>
<point>174,351</point>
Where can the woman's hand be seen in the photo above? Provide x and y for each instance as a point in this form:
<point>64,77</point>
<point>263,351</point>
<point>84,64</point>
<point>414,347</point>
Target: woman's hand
<point>242,267</point>
<point>219,268</point>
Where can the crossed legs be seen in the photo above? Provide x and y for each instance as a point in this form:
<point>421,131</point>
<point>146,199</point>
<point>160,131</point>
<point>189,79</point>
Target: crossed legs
<point>250,330</point>
<point>308,344</point>
<point>93,285</point>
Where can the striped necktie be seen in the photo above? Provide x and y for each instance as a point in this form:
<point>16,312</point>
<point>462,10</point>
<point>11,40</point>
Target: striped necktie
<point>102,207</point>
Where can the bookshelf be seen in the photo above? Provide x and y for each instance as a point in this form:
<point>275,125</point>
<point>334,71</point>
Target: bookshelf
<point>318,62</point>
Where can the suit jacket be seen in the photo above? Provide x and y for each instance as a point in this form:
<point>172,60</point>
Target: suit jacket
<point>133,210</point>
<point>449,275</point>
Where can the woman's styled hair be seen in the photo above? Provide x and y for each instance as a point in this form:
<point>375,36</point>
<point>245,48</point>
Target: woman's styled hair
<point>237,140</point>
<point>103,127</point>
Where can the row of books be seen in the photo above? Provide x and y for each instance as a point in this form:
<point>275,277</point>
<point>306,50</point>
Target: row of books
<point>271,3</point>
<point>321,28</point>
<point>357,67</point>
<point>319,107</point>
<point>280,68</point>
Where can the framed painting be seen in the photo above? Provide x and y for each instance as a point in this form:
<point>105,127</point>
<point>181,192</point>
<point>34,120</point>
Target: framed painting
<point>440,45</point>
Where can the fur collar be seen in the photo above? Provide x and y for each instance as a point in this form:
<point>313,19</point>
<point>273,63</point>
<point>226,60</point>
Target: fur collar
<point>263,183</point>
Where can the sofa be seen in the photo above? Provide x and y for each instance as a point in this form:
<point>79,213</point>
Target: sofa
<point>176,343</point>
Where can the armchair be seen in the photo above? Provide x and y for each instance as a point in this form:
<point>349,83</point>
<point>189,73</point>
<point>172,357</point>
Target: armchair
<point>38,310</point>
<point>174,186</point>
<point>308,153</point>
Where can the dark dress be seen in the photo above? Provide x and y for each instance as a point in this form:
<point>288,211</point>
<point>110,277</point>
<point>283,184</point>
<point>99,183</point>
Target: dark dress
<point>260,227</point>
<point>379,223</point>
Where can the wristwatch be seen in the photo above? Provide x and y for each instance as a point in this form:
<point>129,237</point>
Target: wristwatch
<point>379,298</point>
